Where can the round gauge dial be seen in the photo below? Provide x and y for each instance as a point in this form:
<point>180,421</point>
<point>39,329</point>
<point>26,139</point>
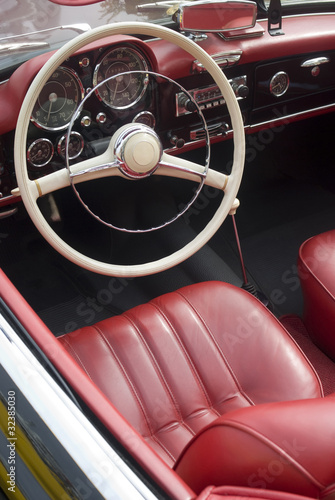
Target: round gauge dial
<point>128,85</point>
<point>145,117</point>
<point>279,83</point>
<point>40,152</point>
<point>76,145</point>
<point>58,100</point>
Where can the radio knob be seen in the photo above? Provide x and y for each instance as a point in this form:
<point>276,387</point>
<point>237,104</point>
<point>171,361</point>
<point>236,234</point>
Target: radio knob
<point>187,103</point>
<point>241,90</point>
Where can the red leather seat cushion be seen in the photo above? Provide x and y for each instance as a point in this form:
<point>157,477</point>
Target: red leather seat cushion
<point>176,364</point>
<point>316,265</point>
<point>286,446</point>
<point>240,493</point>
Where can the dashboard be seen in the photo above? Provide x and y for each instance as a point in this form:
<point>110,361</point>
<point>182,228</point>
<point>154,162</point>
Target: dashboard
<point>276,79</point>
<point>100,89</point>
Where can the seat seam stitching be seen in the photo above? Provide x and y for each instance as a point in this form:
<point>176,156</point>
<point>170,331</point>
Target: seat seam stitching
<point>210,334</point>
<point>76,355</point>
<point>159,371</point>
<point>133,389</point>
<point>241,426</point>
<point>196,374</point>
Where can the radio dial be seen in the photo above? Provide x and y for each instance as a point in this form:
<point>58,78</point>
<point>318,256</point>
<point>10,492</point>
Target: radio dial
<point>241,90</point>
<point>186,103</point>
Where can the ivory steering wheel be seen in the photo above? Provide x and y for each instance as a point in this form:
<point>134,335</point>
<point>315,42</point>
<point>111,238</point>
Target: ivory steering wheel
<point>133,142</point>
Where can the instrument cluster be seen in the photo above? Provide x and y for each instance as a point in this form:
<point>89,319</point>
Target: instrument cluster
<point>116,78</point>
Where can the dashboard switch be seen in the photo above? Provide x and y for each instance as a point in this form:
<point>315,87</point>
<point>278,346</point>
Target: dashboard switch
<point>101,118</point>
<point>178,142</point>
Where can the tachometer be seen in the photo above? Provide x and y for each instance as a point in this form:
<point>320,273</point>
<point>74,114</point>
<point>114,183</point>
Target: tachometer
<point>58,100</point>
<point>126,88</point>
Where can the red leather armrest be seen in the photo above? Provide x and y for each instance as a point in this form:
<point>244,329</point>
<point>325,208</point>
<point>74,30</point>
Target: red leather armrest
<point>287,446</point>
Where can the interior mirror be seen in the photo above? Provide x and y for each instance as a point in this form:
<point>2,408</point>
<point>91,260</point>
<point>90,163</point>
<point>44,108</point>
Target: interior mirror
<point>217,16</point>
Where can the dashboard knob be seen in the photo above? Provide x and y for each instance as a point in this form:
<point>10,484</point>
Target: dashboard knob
<point>187,103</point>
<point>241,90</point>
<point>178,142</point>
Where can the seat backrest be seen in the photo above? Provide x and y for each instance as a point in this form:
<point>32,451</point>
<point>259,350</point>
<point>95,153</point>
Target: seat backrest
<point>174,365</point>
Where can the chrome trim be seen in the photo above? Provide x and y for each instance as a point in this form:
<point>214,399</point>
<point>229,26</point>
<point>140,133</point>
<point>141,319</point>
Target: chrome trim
<point>106,470</point>
<point>121,145</point>
<point>63,140</point>
<point>81,96</point>
<point>195,37</point>
<point>184,6</point>
<point>145,114</point>
<point>215,130</point>
<point>143,62</point>
<point>208,97</point>
<point>273,84</point>
<point>255,32</point>
<point>41,140</point>
<point>78,28</point>
<point>229,133</point>
<point>8,213</point>
<point>223,59</point>
<point>315,61</point>
<point>22,47</point>
<point>286,117</point>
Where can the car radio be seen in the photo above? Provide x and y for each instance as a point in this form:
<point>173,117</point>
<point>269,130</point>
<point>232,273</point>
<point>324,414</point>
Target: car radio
<point>209,97</point>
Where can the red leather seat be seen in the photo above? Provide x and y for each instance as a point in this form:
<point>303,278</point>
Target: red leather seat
<point>286,446</point>
<point>181,362</point>
<point>316,265</point>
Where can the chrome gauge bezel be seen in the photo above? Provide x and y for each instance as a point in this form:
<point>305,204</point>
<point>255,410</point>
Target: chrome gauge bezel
<point>145,117</point>
<point>40,141</point>
<point>81,93</point>
<point>62,142</point>
<point>142,67</point>
<point>275,81</point>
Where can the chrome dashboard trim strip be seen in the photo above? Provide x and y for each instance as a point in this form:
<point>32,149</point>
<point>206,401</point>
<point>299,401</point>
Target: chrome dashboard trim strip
<point>228,134</point>
<point>293,115</point>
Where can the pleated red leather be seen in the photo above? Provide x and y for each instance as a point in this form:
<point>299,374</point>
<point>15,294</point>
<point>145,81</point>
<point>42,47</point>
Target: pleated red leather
<point>174,365</point>
<point>285,446</point>
<point>316,265</point>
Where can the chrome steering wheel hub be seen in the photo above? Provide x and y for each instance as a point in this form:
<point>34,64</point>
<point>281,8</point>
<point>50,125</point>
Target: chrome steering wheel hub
<point>138,150</point>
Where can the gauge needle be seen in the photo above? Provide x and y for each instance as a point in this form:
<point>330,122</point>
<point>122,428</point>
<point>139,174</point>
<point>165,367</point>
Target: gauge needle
<point>37,155</point>
<point>116,86</point>
<point>52,99</point>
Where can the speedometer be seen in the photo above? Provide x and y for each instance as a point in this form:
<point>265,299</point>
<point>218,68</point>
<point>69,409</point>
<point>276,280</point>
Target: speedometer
<point>58,100</point>
<point>121,78</point>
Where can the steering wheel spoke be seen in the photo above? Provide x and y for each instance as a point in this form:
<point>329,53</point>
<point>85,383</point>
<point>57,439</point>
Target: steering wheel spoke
<point>173,166</point>
<point>94,168</point>
<point>81,172</point>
